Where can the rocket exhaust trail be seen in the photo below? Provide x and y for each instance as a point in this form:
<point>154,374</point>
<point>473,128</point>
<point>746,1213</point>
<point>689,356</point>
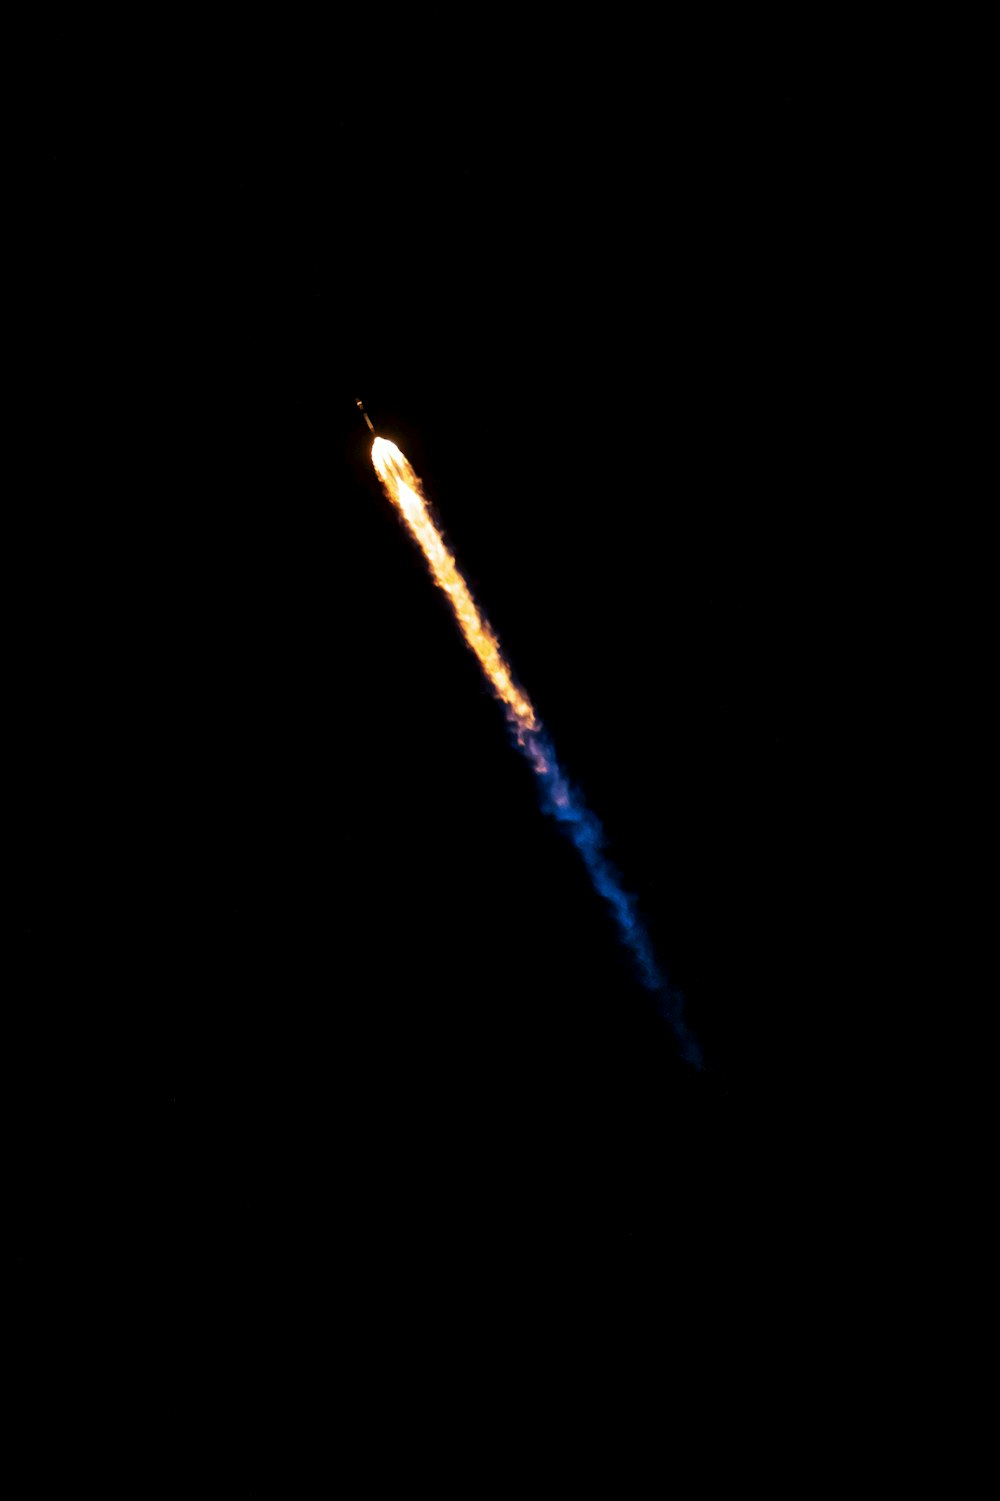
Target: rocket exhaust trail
<point>558,797</point>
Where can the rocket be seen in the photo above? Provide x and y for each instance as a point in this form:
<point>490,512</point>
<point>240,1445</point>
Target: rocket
<point>361,409</point>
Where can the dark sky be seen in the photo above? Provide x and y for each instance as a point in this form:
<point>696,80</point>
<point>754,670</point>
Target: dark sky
<point>303,956</point>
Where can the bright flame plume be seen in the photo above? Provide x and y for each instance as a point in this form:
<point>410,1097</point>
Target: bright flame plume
<point>558,797</point>
<point>404,490</point>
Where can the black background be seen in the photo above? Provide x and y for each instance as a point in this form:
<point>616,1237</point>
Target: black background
<point>322,1036</point>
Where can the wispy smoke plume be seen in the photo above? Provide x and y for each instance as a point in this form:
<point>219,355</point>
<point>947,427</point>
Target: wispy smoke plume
<point>563,803</point>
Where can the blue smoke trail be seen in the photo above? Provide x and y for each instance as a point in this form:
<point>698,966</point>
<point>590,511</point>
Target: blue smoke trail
<point>562,802</point>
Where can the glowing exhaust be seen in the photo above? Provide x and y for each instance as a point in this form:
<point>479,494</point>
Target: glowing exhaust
<point>558,798</point>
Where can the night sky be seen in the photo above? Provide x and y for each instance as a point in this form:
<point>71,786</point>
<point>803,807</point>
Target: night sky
<point>322,1022</point>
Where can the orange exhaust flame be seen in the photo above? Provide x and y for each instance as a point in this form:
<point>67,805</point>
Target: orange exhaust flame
<point>557,795</point>
<point>403,489</point>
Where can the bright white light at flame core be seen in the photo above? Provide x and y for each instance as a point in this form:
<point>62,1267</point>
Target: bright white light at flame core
<point>403,489</point>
